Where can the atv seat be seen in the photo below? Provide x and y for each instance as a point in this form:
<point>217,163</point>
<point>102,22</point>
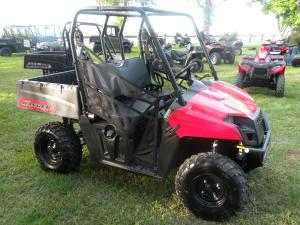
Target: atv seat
<point>178,54</point>
<point>116,93</point>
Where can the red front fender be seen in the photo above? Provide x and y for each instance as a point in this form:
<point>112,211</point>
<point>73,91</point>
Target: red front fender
<point>202,126</point>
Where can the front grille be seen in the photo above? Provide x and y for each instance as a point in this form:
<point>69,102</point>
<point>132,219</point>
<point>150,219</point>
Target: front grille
<point>260,71</point>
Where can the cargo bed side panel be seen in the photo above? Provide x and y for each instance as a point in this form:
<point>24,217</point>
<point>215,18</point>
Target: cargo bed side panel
<point>56,99</point>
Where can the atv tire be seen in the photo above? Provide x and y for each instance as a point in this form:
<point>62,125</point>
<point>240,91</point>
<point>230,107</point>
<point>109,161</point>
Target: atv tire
<point>229,59</point>
<point>238,51</point>
<point>212,186</point>
<point>5,51</point>
<point>240,81</point>
<point>198,68</point>
<point>296,62</point>
<point>127,49</point>
<point>97,49</point>
<point>280,82</point>
<point>215,58</point>
<point>57,148</point>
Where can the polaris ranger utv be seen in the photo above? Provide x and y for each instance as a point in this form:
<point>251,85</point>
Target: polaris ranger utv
<point>211,131</point>
<point>15,39</point>
<point>59,61</point>
<point>56,61</point>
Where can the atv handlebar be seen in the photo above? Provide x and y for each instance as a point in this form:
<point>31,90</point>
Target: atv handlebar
<point>187,70</point>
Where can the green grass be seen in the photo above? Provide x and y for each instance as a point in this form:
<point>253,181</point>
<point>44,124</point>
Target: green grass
<point>101,195</point>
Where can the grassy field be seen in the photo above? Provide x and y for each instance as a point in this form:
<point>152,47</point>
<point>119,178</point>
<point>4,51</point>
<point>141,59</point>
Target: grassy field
<point>101,195</point>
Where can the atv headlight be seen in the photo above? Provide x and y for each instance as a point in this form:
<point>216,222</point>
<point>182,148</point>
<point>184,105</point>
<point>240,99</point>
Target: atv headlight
<point>246,67</point>
<point>276,67</point>
<point>229,119</point>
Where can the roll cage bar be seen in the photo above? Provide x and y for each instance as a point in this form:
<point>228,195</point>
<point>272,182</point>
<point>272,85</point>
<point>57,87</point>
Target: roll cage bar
<point>66,33</point>
<point>140,12</point>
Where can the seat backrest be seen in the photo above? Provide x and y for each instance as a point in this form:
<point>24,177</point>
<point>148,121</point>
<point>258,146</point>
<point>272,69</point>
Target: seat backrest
<point>135,71</point>
<point>127,79</point>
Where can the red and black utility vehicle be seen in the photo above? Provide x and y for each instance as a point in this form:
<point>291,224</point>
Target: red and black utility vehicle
<point>218,51</point>
<point>232,41</point>
<point>262,70</point>
<point>134,117</point>
<point>278,47</point>
<point>191,55</point>
<point>61,60</point>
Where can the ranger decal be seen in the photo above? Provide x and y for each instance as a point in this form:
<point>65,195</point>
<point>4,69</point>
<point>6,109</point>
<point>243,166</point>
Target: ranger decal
<point>36,105</point>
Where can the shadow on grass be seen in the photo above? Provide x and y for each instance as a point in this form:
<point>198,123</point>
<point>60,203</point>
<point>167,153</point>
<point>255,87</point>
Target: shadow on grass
<point>113,180</point>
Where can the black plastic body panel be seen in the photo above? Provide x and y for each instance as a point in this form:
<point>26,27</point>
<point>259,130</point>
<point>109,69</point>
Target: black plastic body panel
<point>169,147</point>
<point>261,152</point>
<point>56,61</point>
<point>91,138</point>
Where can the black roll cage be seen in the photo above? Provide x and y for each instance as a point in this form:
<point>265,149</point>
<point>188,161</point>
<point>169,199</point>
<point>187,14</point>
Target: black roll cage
<point>140,12</point>
<point>66,34</point>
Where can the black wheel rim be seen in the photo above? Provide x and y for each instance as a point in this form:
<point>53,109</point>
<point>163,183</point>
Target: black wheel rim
<point>50,151</point>
<point>209,190</point>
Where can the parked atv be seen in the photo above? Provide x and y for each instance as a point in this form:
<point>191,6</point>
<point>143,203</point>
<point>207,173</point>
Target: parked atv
<point>217,51</point>
<point>130,119</point>
<point>278,47</point>
<point>233,42</point>
<point>262,70</point>
<point>192,55</point>
<point>182,41</point>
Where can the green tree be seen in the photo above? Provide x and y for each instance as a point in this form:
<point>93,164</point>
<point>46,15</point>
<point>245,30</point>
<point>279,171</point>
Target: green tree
<point>207,7</point>
<point>118,20</point>
<point>287,12</point>
<point>208,10</point>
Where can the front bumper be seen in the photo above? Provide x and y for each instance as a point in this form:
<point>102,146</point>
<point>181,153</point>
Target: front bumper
<point>262,151</point>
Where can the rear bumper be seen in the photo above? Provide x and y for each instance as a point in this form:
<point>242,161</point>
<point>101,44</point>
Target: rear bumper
<point>261,153</point>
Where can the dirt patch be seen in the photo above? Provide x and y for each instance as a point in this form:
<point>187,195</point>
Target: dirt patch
<point>294,154</point>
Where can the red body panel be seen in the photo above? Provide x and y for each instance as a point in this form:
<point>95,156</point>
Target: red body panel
<point>203,116</point>
<point>262,56</point>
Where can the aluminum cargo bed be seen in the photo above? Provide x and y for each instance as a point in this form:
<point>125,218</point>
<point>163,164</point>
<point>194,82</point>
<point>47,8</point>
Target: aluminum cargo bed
<point>56,94</point>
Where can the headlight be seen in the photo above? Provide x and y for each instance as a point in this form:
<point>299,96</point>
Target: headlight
<point>276,67</point>
<point>246,127</point>
<point>229,119</point>
<point>246,67</point>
